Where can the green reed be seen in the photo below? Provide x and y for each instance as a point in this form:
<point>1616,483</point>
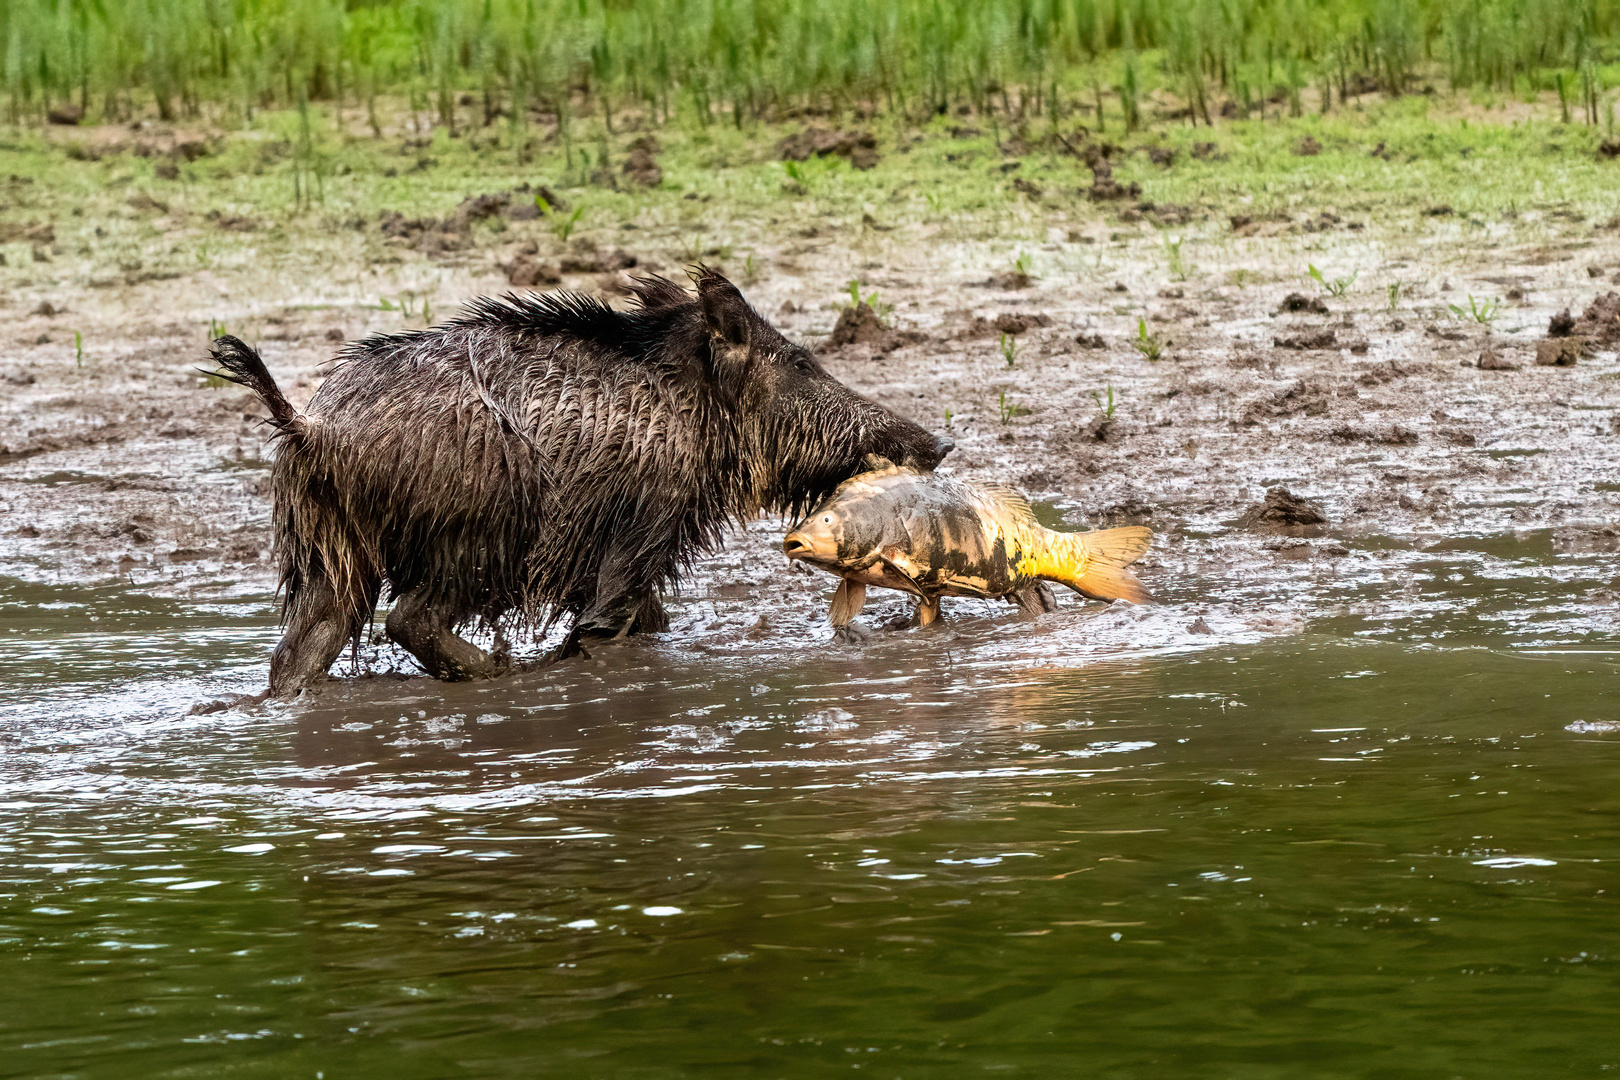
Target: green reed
<point>739,61</point>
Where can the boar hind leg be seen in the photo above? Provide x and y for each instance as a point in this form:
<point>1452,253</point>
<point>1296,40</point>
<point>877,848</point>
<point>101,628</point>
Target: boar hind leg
<point>424,631</point>
<point>623,616</point>
<point>317,629</point>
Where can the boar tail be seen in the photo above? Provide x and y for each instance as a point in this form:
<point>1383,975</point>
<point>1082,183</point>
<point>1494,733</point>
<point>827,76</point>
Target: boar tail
<point>1094,563</point>
<point>244,367</point>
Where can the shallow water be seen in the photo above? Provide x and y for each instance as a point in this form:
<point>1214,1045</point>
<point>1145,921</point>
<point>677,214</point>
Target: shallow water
<point>1094,844</point>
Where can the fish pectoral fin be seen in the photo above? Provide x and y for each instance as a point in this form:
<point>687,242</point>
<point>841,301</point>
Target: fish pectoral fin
<point>902,564</point>
<point>846,602</point>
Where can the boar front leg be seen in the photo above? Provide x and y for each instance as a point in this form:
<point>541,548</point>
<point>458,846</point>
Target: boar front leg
<point>424,631</point>
<point>317,629</point>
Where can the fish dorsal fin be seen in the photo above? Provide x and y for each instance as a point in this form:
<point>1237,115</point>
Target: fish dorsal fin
<point>1013,499</point>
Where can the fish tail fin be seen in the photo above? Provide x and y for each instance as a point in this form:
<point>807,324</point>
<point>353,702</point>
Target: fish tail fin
<point>1094,563</point>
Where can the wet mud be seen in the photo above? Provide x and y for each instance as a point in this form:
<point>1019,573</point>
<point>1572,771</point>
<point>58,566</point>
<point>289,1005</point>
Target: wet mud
<point>1111,391</point>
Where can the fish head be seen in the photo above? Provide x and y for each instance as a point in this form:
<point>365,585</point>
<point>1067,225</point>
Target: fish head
<point>816,538</point>
<point>840,534</point>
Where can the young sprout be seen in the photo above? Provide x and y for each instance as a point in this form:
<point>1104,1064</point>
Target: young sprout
<point>870,299</point>
<point>1178,265</point>
<point>1105,404</point>
<point>564,226</point>
<point>948,415</point>
<point>1007,409</point>
<point>1395,294</point>
<point>78,349</point>
<point>1147,344</point>
<point>1009,349</point>
<point>1483,312</point>
<point>1337,286</point>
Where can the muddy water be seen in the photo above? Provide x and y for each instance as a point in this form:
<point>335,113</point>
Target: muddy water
<point>1383,844</point>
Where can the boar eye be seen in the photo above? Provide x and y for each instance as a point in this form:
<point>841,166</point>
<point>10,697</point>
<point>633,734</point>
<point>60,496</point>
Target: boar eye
<point>804,365</point>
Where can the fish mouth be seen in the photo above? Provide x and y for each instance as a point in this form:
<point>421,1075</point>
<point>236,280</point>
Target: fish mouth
<point>795,546</point>
<point>801,547</point>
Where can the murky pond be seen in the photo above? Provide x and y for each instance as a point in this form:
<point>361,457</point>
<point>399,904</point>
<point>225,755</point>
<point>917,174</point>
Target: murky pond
<point>1383,845</point>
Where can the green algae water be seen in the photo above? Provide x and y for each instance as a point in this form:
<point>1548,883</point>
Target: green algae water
<point>1371,848</point>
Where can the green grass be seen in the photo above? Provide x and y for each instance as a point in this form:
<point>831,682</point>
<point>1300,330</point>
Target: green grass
<point>722,193</point>
<point>743,61</point>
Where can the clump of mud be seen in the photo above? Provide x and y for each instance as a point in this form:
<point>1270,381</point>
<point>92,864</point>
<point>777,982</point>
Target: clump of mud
<point>1300,302</point>
<point>29,232</point>
<point>427,235</point>
<point>1104,187</point>
<point>1395,436</point>
<point>1283,511</point>
<point>1560,352</point>
<point>1008,323</point>
<point>1308,397</point>
<point>860,147</point>
<point>1008,281</point>
<point>641,167</point>
<point>528,272</point>
<point>861,325</point>
<point>1325,338</point>
<point>1569,338</point>
<point>591,262</point>
<point>1601,320</point>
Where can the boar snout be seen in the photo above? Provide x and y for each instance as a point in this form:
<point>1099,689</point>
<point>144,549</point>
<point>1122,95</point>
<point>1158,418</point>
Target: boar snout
<point>928,459</point>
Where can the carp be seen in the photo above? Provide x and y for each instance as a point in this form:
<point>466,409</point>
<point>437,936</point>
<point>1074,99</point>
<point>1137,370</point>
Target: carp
<point>901,528</point>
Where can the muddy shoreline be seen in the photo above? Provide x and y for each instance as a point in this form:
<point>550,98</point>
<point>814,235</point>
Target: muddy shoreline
<point>121,464</point>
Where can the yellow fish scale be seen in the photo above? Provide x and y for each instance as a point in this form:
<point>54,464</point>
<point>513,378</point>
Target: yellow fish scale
<point>1032,550</point>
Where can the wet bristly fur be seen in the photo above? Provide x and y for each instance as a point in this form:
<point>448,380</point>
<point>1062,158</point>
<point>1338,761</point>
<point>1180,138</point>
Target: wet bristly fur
<point>548,456</point>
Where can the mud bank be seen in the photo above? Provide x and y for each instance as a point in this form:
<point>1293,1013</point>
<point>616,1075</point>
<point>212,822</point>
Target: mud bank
<point>1108,387</point>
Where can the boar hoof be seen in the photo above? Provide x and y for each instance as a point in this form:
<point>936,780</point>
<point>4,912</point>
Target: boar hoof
<point>851,633</point>
<point>317,630</point>
<point>1036,599</point>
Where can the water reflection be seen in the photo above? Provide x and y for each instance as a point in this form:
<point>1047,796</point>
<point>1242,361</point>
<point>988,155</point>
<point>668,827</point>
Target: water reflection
<point>1008,848</point>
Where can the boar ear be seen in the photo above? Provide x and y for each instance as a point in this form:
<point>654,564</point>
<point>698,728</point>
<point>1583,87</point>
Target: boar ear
<point>728,315</point>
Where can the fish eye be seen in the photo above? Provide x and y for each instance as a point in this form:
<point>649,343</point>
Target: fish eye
<point>826,519</point>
